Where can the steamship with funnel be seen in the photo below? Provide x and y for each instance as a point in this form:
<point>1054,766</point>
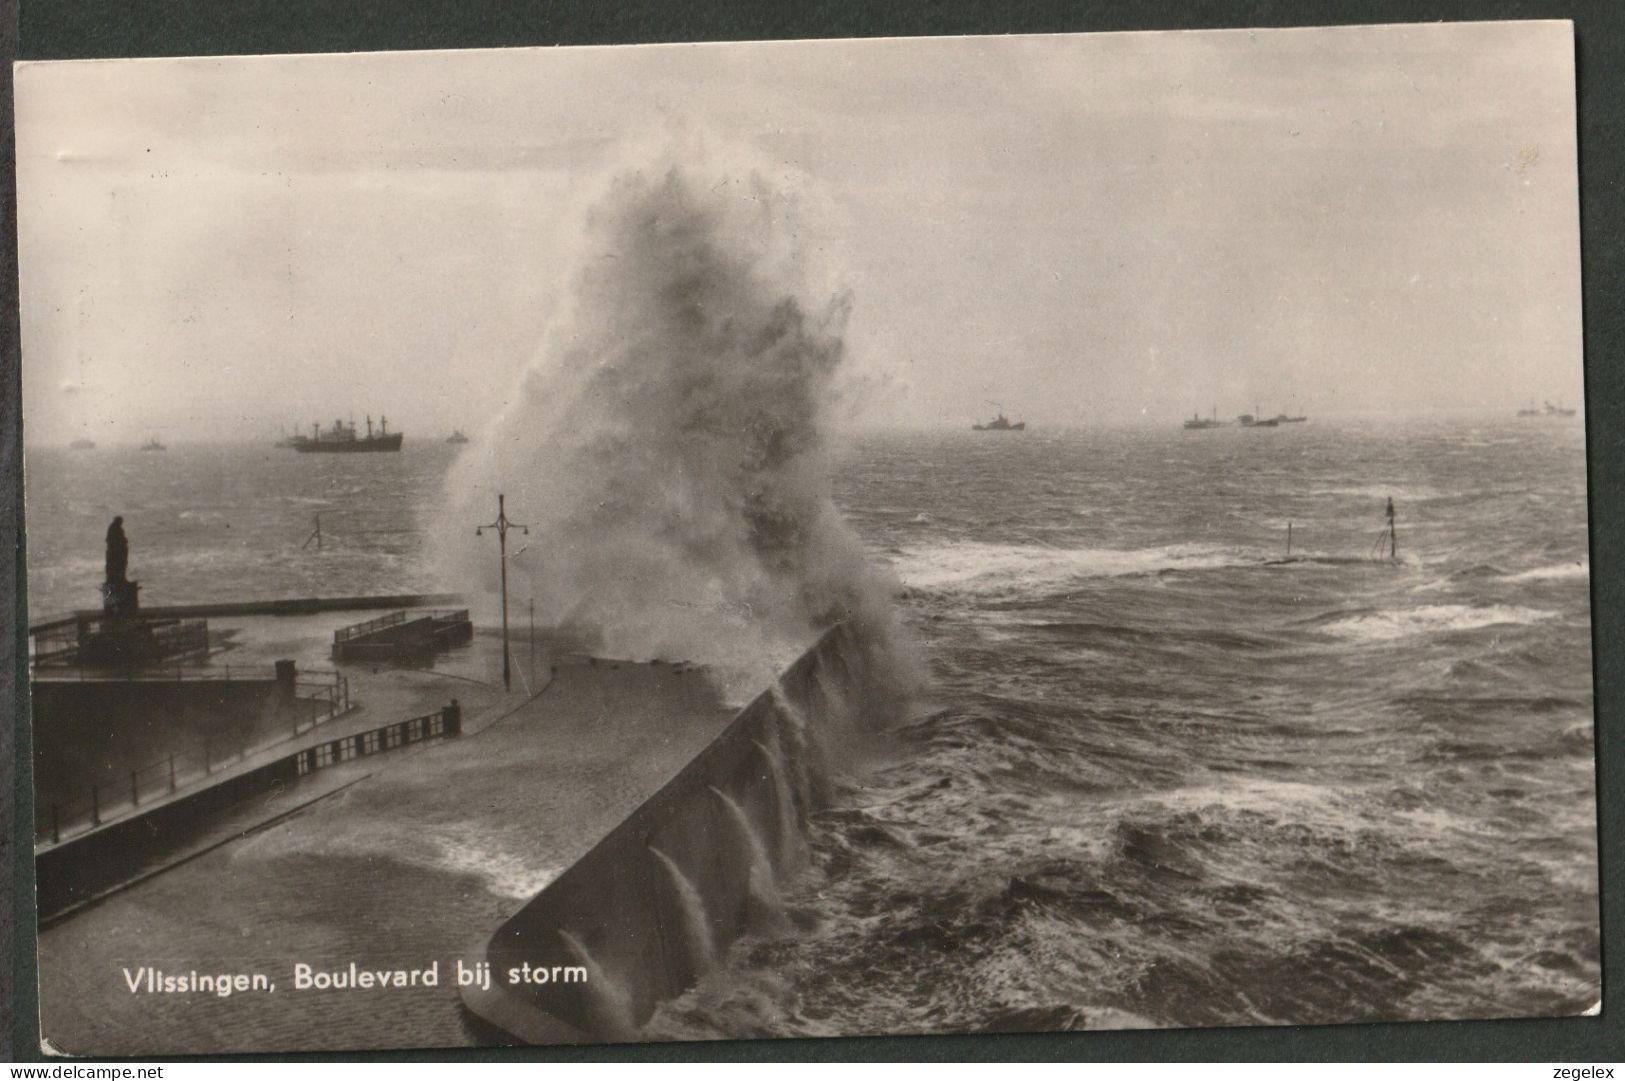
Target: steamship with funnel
<point>343,439</point>
<point>1000,423</point>
<point>1201,423</point>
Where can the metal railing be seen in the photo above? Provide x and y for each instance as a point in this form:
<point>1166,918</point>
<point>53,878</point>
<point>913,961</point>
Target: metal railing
<point>185,768</point>
<point>356,630</point>
<point>189,638</point>
<point>372,626</point>
<point>443,722</point>
<point>166,638</point>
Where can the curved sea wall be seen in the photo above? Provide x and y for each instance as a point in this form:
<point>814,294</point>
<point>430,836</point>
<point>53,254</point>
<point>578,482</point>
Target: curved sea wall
<point>641,916</point>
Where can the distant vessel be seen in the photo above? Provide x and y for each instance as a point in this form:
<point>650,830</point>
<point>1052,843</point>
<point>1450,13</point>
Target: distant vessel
<point>1000,423</point>
<point>153,444</point>
<point>457,436</point>
<point>1253,420</point>
<point>1198,422</point>
<point>342,439</point>
<point>83,444</point>
<point>1288,418</point>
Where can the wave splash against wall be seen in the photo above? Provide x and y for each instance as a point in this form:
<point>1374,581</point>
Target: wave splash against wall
<point>670,445</point>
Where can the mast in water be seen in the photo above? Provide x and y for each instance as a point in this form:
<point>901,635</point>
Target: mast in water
<point>1393,541</point>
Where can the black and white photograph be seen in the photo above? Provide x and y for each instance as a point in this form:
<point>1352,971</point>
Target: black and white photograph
<point>820,538</point>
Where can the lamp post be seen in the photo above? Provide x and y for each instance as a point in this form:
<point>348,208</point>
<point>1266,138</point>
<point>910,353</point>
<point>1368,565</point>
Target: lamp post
<point>502,525</point>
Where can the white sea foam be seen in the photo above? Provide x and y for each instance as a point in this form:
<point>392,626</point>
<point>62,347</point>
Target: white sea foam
<point>1251,794</point>
<point>1577,569</point>
<point>971,567</point>
<point>463,850</point>
<point>1432,619</point>
<point>504,873</point>
<point>1378,493</point>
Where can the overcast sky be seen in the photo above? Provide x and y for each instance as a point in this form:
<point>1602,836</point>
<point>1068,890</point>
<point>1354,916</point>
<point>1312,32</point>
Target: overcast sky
<point>1086,228</point>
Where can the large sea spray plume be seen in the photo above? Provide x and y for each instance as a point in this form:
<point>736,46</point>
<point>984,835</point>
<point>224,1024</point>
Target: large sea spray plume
<point>670,445</point>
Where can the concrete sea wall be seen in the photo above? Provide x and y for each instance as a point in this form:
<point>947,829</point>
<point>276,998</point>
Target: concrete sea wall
<point>656,902</point>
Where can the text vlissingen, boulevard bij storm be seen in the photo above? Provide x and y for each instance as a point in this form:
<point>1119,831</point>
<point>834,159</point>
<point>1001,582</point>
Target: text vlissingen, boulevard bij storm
<point>349,976</point>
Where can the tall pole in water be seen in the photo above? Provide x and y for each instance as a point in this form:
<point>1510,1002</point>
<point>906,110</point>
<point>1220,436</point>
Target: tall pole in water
<point>502,525</point>
<point>1393,541</point>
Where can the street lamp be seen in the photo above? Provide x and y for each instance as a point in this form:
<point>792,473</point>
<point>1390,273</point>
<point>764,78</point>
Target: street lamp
<point>502,525</point>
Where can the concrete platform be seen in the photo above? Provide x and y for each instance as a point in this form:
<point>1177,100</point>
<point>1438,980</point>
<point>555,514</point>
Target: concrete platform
<point>412,859</point>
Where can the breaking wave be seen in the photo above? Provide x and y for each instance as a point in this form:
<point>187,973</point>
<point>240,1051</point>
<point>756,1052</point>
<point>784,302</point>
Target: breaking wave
<point>1432,619</point>
<point>1577,569</point>
<point>980,568</point>
<point>670,445</point>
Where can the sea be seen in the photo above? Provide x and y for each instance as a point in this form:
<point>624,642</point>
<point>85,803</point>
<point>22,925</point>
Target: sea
<point>1164,771</point>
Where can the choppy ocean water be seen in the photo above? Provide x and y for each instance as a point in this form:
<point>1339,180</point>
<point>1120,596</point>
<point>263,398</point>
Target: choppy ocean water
<point>1159,778</point>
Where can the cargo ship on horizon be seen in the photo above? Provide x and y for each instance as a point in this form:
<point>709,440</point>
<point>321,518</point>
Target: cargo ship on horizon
<point>1201,423</point>
<point>342,438</point>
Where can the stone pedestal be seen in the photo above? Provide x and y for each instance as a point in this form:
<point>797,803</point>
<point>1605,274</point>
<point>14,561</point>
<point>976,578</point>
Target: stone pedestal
<point>120,598</point>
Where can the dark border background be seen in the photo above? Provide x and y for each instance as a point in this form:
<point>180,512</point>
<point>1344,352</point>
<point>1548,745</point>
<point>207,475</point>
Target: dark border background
<point>63,29</point>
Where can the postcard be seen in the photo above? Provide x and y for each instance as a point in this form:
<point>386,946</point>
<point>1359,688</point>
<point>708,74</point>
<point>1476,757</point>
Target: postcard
<point>819,538</point>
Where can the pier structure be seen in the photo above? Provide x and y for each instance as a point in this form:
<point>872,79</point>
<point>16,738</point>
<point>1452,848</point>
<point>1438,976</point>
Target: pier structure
<point>136,770</point>
<point>619,818</point>
<point>402,636</point>
<point>533,783</point>
<point>144,741</point>
<point>645,819</point>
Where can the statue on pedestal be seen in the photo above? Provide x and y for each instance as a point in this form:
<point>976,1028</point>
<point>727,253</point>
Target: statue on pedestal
<point>119,595</point>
